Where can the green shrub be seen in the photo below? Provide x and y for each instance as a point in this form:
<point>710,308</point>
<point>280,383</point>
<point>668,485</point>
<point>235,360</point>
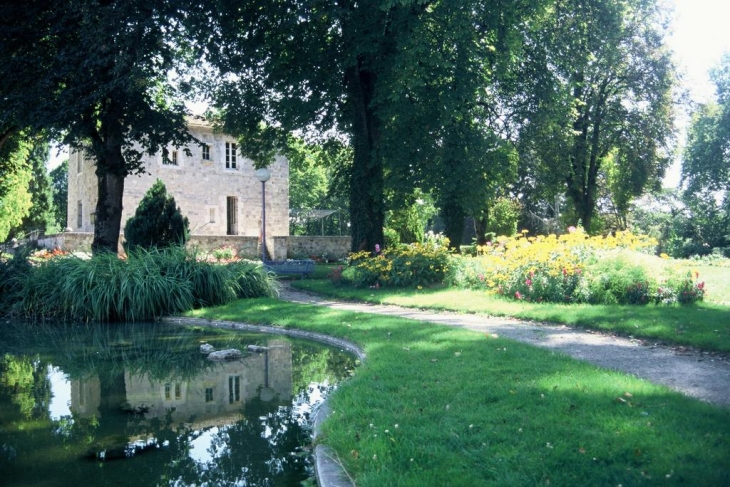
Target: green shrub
<point>573,269</point>
<point>392,238</point>
<point>618,279</point>
<point>157,222</point>
<point>409,265</point>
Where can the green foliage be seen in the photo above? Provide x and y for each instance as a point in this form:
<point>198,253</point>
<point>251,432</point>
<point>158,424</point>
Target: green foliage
<point>406,265</point>
<point>391,238</point>
<point>59,182</point>
<point>574,269</point>
<point>145,286</point>
<point>410,221</point>
<point>157,222</point>
<point>40,217</point>
<point>706,157</point>
<point>15,177</point>
<point>121,105</point>
<point>617,279</point>
<point>503,216</point>
<point>600,95</point>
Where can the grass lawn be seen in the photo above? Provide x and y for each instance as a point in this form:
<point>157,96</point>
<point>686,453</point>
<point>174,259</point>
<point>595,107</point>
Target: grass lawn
<point>436,406</point>
<point>705,325</point>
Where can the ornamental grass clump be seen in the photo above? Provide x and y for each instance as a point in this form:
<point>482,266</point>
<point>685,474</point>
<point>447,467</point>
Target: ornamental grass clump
<point>147,285</point>
<point>405,265</point>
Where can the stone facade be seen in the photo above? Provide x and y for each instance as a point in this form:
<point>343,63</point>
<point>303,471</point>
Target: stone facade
<point>215,187</point>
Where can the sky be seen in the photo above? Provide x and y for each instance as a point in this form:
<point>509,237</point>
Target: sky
<point>700,34</point>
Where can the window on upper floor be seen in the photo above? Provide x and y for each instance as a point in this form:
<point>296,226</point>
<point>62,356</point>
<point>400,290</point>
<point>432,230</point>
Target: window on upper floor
<point>172,160</point>
<point>206,152</point>
<point>230,155</point>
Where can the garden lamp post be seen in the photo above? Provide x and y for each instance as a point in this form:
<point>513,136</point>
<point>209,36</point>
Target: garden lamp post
<point>263,175</point>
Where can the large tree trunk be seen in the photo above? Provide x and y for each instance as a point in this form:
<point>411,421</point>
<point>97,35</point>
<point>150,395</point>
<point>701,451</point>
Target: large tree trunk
<point>366,181</point>
<point>110,173</point>
<point>453,215</point>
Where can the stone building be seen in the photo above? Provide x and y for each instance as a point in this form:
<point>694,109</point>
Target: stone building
<point>215,187</point>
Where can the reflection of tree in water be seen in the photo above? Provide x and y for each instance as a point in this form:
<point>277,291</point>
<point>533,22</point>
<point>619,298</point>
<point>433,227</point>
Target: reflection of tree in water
<point>313,364</point>
<point>258,450</point>
<point>26,380</point>
<point>264,448</point>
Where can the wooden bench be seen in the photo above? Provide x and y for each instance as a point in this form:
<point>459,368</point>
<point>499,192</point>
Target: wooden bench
<point>290,267</point>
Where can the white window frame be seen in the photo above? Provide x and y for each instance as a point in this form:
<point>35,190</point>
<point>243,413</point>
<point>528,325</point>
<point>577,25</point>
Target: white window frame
<point>231,149</point>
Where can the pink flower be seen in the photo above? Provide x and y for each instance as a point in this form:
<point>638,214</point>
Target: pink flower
<point>377,248</point>
<point>571,229</point>
<point>481,277</point>
<point>528,282</point>
<point>518,295</point>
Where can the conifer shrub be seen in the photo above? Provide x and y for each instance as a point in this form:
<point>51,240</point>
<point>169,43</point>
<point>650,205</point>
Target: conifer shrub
<point>157,222</point>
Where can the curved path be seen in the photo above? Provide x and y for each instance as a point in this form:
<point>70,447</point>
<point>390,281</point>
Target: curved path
<point>702,375</point>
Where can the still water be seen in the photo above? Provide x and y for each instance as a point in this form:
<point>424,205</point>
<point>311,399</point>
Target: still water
<point>121,404</point>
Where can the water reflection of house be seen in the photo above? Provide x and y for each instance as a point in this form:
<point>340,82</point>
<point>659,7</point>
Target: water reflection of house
<point>217,392</point>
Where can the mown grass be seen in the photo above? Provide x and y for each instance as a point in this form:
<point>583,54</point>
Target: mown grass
<point>703,325</point>
<point>435,406</point>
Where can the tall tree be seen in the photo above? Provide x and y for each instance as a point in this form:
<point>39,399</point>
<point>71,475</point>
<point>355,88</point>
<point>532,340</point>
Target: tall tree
<point>706,159</point>
<point>15,176</point>
<point>97,76</point>
<point>366,69</point>
<point>40,217</point>
<point>605,77</point>
<point>59,184</point>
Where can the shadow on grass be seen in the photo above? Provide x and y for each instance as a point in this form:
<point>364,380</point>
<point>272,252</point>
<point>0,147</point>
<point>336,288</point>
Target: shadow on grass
<point>702,325</point>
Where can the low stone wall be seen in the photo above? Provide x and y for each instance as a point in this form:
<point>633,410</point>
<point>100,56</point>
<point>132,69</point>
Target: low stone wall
<point>331,248</point>
<point>247,247</point>
<point>69,241</point>
<point>280,248</point>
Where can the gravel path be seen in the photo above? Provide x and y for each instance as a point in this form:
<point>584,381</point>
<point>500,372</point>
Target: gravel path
<point>702,375</point>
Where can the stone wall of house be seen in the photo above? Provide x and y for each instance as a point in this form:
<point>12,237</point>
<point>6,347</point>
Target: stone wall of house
<point>210,189</point>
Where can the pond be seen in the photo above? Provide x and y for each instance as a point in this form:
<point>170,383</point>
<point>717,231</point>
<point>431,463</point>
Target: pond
<point>125,404</point>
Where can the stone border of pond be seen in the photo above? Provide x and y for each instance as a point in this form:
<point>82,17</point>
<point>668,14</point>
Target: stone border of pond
<point>327,468</point>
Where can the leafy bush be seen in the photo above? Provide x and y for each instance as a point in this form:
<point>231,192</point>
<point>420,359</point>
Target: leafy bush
<point>686,289</point>
<point>574,268</point>
<point>157,222</point>
<point>392,238</point>
<point>224,253</point>
<point>147,285</point>
<point>410,265</point>
<point>617,279</point>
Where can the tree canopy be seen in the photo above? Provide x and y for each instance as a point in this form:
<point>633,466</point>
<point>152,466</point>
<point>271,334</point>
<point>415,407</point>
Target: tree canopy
<point>403,80</point>
<point>99,77</point>
<point>604,79</point>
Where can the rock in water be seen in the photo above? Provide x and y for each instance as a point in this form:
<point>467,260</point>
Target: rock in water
<point>223,355</point>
